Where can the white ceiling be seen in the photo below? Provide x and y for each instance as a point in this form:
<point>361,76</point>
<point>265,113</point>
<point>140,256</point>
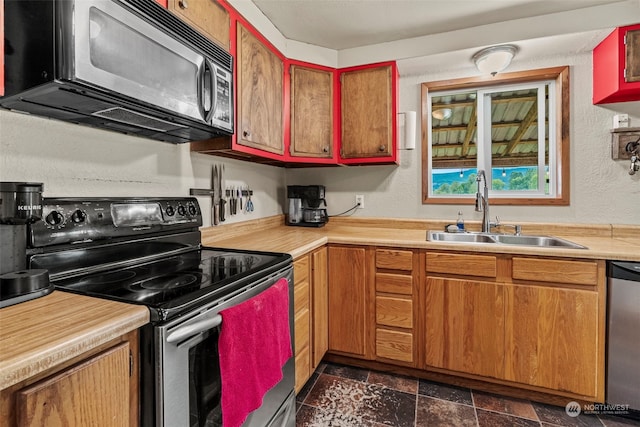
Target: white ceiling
<point>346,24</point>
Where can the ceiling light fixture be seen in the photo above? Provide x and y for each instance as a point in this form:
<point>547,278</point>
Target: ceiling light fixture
<point>494,59</point>
<point>442,113</point>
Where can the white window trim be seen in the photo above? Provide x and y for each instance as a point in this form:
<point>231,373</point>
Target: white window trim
<point>483,133</point>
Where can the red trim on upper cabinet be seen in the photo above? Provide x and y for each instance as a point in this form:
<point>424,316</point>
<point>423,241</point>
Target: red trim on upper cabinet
<point>287,119</point>
<point>393,157</point>
<point>609,59</point>
<point>234,18</point>
<point>164,3</point>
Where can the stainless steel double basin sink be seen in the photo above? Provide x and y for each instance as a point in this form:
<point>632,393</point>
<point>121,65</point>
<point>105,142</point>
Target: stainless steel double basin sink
<point>502,239</point>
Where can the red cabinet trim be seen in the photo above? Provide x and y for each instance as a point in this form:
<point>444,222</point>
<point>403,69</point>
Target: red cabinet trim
<point>609,59</point>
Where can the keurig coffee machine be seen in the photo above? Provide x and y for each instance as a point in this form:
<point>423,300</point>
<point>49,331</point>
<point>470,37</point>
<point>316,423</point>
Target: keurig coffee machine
<point>304,206</point>
<point>20,206</point>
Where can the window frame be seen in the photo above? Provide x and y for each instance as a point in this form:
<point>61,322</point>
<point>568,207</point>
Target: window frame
<point>561,194</point>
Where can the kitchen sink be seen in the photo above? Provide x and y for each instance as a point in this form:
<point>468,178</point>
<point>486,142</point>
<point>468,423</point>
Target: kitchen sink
<point>545,241</point>
<point>435,236</point>
<point>505,239</point>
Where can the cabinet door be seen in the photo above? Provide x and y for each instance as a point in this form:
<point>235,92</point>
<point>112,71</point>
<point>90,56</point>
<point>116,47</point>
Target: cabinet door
<point>348,300</point>
<point>465,326</point>
<point>260,75</point>
<point>302,320</point>
<point>367,107</point>
<point>632,56</point>
<point>552,338</point>
<point>320,306</point>
<point>207,16</point>
<point>311,112</point>
<point>94,393</point>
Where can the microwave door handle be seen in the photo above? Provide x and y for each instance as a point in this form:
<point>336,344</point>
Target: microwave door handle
<point>199,90</point>
<point>196,328</point>
<point>214,90</point>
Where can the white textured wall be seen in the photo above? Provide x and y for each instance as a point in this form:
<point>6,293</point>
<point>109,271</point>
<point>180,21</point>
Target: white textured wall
<point>601,189</point>
<point>76,161</point>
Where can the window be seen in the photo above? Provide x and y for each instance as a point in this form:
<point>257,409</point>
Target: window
<point>513,126</point>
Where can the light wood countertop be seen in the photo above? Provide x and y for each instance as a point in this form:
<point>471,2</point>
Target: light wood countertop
<point>39,334</point>
<point>277,237</point>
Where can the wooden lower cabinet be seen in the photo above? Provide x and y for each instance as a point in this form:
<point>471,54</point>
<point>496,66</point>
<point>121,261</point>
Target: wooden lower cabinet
<point>538,323</point>
<point>349,298</point>
<point>550,340</point>
<point>320,304</point>
<point>302,322</point>
<point>465,326</point>
<point>394,306</point>
<point>98,390</point>
<point>310,307</point>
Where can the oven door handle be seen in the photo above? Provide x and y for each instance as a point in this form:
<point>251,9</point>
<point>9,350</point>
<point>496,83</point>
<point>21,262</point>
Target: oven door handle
<point>187,331</point>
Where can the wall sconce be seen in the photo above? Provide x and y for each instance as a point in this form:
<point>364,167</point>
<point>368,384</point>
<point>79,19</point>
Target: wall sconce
<point>494,59</point>
<point>409,141</point>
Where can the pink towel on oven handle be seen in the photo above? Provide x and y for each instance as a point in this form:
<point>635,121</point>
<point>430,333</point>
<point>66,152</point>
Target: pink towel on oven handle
<point>254,345</point>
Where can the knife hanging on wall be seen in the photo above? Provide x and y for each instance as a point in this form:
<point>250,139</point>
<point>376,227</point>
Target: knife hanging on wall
<point>215,199</point>
<point>223,199</point>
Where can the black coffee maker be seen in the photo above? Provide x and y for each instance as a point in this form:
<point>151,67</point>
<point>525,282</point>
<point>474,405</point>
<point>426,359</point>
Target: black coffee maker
<point>20,206</point>
<point>304,206</point>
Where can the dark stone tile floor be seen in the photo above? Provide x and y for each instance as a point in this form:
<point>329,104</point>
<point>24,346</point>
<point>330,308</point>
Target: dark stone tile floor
<point>344,396</point>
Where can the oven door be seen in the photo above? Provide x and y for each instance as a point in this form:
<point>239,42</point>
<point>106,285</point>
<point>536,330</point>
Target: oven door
<point>188,385</point>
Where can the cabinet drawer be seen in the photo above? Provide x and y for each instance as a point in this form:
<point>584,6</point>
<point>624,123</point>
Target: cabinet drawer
<point>556,271</point>
<point>394,259</point>
<point>301,329</point>
<point>467,265</point>
<point>303,368</point>
<point>394,345</point>
<point>394,283</point>
<point>396,312</point>
<point>301,297</point>
<point>301,269</point>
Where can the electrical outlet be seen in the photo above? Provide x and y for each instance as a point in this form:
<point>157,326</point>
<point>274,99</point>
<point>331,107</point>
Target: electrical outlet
<point>360,201</point>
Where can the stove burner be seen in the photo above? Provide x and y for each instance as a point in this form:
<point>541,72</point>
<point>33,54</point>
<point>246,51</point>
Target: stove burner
<point>111,277</point>
<point>167,282</point>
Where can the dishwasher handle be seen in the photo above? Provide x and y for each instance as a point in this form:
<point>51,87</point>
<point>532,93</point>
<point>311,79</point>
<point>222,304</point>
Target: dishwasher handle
<point>624,270</point>
<point>195,328</point>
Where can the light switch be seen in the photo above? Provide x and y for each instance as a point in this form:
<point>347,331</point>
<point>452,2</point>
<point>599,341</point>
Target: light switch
<point>620,121</point>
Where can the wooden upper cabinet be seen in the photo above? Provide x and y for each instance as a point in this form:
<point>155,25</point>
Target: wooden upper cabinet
<point>367,107</point>
<point>632,44</point>
<point>260,92</point>
<point>311,112</point>
<point>616,66</point>
<point>206,16</point>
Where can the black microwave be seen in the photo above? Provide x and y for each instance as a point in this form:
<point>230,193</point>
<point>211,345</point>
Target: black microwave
<point>123,65</point>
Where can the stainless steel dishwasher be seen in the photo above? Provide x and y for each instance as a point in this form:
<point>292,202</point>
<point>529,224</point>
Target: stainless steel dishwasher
<point>623,345</point>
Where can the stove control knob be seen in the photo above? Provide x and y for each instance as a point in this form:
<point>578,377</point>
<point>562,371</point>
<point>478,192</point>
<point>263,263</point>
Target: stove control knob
<point>170,211</point>
<point>192,209</point>
<point>78,216</point>
<point>54,218</point>
<point>182,210</point>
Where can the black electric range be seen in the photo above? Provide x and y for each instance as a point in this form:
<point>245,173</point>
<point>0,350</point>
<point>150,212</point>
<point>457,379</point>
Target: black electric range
<point>141,251</point>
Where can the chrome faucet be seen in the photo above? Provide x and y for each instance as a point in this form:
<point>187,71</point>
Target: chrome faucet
<point>482,201</point>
